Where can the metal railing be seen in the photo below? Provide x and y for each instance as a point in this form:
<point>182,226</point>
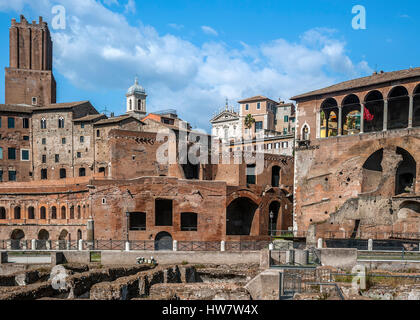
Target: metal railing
<point>199,246</point>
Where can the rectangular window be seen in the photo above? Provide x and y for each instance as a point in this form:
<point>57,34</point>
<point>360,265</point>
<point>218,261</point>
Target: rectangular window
<point>44,174</point>
<point>11,123</point>
<point>1,175</point>
<point>25,123</point>
<point>285,131</point>
<point>82,125</point>
<point>247,106</point>
<point>79,154</point>
<point>82,139</point>
<point>12,154</point>
<point>258,106</point>
<point>24,156</point>
<point>250,174</point>
<point>188,221</point>
<point>1,153</point>
<point>258,126</point>
<point>12,175</point>
<point>163,212</point>
<point>0,122</point>
<point>57,158</point>
<point>286,118</point>
<point>34,101</point>
<point>44,141</point>
<point>137,221</point>
<point>44,158</point>
<point>63,140</point>
<point>25,138</point>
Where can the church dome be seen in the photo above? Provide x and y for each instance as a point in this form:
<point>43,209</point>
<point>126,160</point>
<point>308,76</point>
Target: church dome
<point>136,89</point>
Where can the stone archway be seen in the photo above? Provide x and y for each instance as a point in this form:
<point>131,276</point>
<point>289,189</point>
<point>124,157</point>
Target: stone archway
<point>240,216</point>
<point>16,237</point>
<point>405,177</point>
<point>163,241</point>
<point>274,209</point>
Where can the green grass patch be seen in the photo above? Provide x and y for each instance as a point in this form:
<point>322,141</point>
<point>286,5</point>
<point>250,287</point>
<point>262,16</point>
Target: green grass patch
<point>95,257</point>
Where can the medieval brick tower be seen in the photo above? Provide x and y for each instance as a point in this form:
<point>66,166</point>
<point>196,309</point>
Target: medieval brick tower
<point>29,78</point>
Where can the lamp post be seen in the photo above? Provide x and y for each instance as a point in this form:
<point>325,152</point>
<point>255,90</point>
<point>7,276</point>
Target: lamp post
<point>271,225</point>
<point>127,215</point>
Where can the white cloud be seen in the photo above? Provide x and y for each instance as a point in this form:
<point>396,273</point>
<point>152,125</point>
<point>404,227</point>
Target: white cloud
<point>130,7</point>
<point>100,51</point>
<point>176,26</point>
<point>209,30</point>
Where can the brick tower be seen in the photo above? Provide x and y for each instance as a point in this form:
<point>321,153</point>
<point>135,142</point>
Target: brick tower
<point>29,78</point>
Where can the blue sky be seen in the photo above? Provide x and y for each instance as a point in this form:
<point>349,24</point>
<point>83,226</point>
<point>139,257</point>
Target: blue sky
<point>192,55</point>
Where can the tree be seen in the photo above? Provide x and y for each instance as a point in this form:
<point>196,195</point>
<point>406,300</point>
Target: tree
<point>249,121</point>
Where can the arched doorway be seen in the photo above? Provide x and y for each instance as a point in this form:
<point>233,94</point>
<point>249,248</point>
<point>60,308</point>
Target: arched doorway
<point>398,105</point>
<point>374,103</point>
<point>43,236</point>
<point>62,244</point>
<point>2,213</point>
<point>273,210</point>
<point>405,177</point>
<point>329,118</point>
<point>239,216</point>
<point>275,176</point>
<point>351,115</point>
<point>79,235</point>
<point>372,171</point>
<point>163,241</point>
<point>16,237</point>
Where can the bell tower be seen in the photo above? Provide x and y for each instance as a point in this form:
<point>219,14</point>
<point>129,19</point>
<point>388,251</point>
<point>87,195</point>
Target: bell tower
<point>29,77</point>
<point>136,100</point>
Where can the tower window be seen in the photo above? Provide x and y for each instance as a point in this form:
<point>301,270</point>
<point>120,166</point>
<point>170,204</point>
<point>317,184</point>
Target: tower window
<point>43,123</point>
<point>25,123</point>
<point>61,122</point>
<point>82,139</point>
<point>98,133</point>
<point>57,158</point>
<point>44,158</point>
<point>139,104</point>
<point>34,101</point>
<point>63,140</point>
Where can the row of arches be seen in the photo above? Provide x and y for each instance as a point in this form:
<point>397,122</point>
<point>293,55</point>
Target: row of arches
<point>241,212</point>
<point>398,110</point>
<point>42,213</point>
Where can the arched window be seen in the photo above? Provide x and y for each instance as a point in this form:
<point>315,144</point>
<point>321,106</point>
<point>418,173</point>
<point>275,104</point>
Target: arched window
<point>31,213</point>
<point>43,123</point>
<point>405,179</point>
<point>329,118</point>
<point>416,107</point>
<point>130,105</point>
<point>17,212</point>
<point>351,115</point>
<point>79,212</point>
<point>398,105</point>
<point>43,213</point>
<point>374,112</point>
<point>139,104</point>
<point>54,212</point>
<point>2,213</point>
<point>61,122</point>
<point>72,212</point>
<point>239,216</point>
<point>63,212</point>
<point>305,133</point>
<point>63,174</point>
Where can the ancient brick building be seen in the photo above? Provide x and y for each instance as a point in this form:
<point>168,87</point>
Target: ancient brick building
<point>69,172</point>
<point>357,158</point>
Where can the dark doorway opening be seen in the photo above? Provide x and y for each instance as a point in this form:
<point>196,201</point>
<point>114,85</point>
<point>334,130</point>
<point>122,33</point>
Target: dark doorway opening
<point>275,176</point>
<point>239,216</point>
<point>274,210</point>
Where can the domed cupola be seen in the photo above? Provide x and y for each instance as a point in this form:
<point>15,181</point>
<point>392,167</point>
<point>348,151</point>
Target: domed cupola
<point>136,100</point>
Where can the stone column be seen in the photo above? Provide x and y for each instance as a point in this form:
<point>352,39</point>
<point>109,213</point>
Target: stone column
<point>48,244</point>
<point>362,118</point>
<point>80,245</point>
<point>340,118</point>
<point>33,244</point>
<point>410,112</point>
<point>385,115</point>
<point>90,235</point>
<point>290,257</point>
<point>175,245</point>
<point>127,246</point>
